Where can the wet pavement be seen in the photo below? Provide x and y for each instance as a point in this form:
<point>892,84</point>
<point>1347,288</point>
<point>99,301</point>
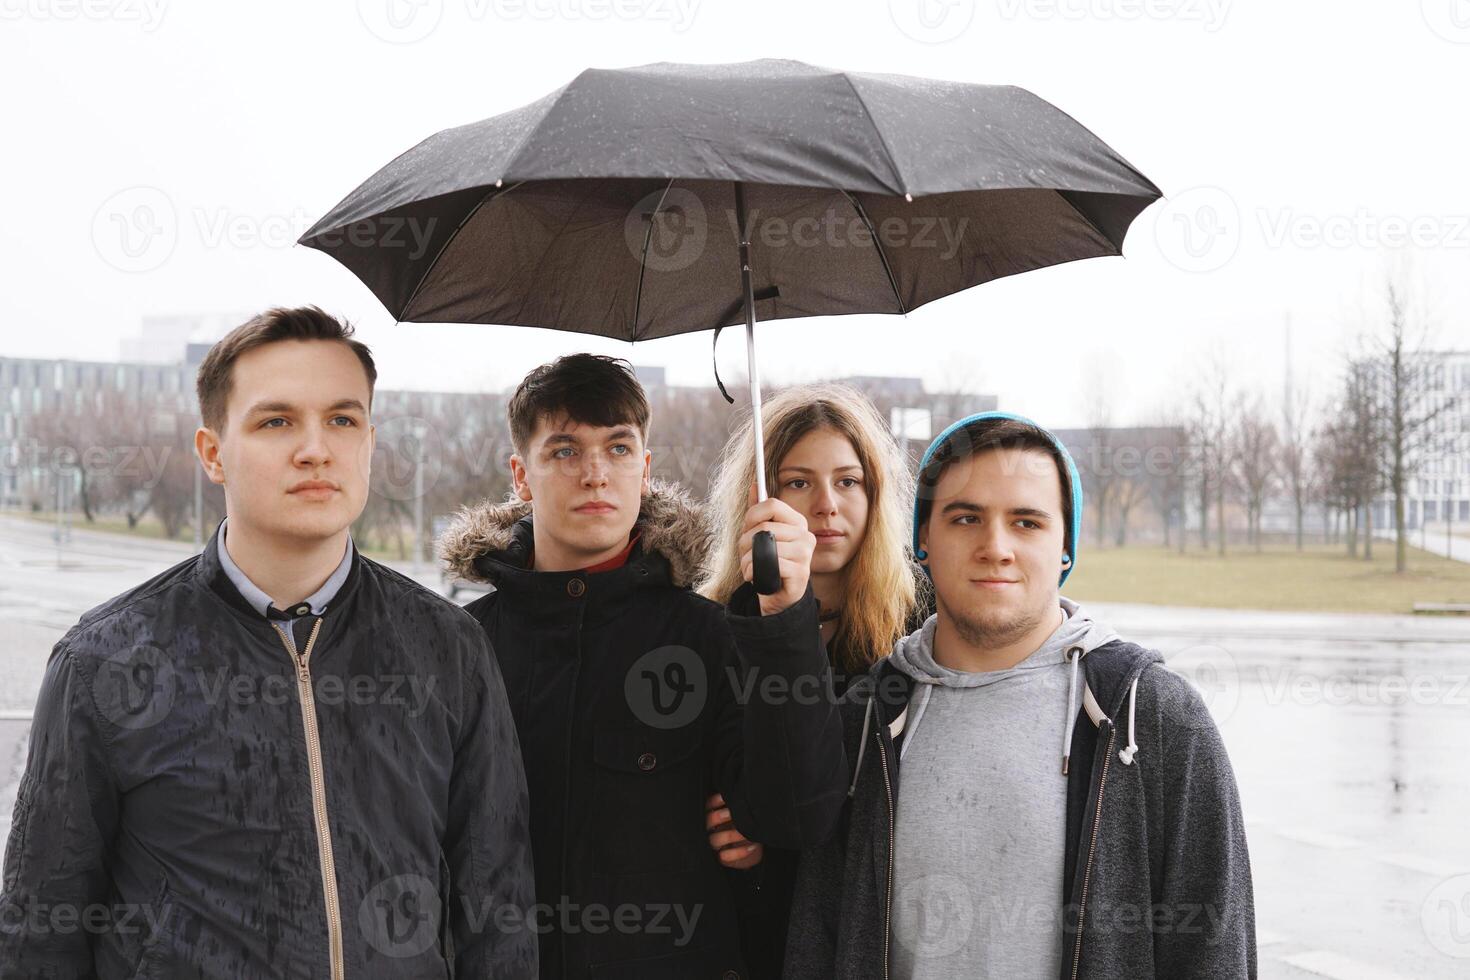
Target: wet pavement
<point>1348,735</point>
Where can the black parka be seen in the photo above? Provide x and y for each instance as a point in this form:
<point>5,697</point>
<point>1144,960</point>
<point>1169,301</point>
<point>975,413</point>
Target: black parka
<point>626,688</point>
<point>170,821</point>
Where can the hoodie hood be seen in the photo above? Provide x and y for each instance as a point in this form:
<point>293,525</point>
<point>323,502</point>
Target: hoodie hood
<point>1074,481</point>
<point>914,654</point>
<point>1077,636</point>
<point>671,525</point>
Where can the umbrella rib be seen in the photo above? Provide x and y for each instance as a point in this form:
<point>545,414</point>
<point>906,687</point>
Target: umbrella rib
<point>643,259</point>
<point>882,256</point>
<point>882,141</point>
<point>493,193</point>
<point>1117,246</point>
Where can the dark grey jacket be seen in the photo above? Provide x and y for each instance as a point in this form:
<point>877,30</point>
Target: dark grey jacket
<point>198,802</point>
<point>1157,875</point>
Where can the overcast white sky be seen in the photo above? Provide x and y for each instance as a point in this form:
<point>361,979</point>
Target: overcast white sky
<point>1294,140</point>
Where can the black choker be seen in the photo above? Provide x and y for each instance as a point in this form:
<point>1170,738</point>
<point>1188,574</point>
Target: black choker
<point>827,617</point>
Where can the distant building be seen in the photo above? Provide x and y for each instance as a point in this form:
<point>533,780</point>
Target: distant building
<point>1439,488</point>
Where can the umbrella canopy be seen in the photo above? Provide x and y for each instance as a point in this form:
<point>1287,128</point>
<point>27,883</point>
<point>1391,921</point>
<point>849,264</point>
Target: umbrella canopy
<point>609,206</point>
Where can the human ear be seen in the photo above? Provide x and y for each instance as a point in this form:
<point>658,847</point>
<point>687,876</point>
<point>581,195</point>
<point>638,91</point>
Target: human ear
<point>206,448</point>
<point>518,477</point>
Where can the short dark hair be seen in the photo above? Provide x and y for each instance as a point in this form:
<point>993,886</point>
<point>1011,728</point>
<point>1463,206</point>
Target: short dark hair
<point>982,436</point>
<point>590,389</point>
<point>215,378</point>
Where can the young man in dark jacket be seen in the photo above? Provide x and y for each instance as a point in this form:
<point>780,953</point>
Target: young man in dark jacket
<point>1033,797</point>
<point>634,697</point>
<point>277,759</point>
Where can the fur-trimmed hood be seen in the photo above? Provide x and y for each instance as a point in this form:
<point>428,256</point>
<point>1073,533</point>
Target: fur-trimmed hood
<point>673,526</point>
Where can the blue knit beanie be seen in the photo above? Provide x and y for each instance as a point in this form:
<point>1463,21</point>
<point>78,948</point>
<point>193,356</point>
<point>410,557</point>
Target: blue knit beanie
<point>1074,526</point>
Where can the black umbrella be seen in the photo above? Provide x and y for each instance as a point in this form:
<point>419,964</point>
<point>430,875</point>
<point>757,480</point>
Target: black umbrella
<point>625,203</point>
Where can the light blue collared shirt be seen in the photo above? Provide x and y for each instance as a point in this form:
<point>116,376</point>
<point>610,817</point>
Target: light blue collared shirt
<point>315,604</point>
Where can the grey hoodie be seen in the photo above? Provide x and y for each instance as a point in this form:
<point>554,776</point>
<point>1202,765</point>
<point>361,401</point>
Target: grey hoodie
<point>983,803</point>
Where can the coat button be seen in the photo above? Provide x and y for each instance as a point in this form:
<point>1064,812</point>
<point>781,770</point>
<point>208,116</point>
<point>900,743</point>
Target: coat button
<point>647,761</point>
<point>576,587</point>
<point>302,610</point>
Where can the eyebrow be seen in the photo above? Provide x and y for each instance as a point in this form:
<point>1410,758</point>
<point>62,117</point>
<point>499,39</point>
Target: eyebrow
<point>566,438</point>
<point>342,404</point>
<point>808,469</point>
<point>965,506</point>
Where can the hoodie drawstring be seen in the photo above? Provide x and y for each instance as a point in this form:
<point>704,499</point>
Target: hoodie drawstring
<point>862,746</point>
<point>1075,656</point>
<point>1132,750</point>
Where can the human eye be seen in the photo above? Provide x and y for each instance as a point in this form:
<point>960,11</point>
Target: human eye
<point>1029,524</point>
<point>344,418</point>
<point>797,484</point>
<point>849,482</point>
<point>565,452</point>
<point>271,423</point>
<point>621,450</point>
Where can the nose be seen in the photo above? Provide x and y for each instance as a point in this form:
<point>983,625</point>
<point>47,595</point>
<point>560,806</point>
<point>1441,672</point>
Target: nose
<point>313,450</point>
<point>594,470</point>
<point>994,546</point>
<point>825,502</point>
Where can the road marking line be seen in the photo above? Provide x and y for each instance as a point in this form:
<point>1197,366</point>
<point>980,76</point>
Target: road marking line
<point>1414,862</point>
<point>1333,842</point>
<point>1338,967</point>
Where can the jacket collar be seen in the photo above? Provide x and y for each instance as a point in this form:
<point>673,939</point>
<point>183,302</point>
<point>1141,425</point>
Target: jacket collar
<point>491,542</point>
<point>211,572</point>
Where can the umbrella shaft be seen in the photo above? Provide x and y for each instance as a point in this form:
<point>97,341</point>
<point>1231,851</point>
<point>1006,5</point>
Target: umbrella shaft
<point>746,285</point>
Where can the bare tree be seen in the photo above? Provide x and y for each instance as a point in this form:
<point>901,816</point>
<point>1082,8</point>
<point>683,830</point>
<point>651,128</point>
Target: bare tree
<point>1212,409</point>
<point>1296,456</point>
<point>1406,375</point>
<point>1255,466</point>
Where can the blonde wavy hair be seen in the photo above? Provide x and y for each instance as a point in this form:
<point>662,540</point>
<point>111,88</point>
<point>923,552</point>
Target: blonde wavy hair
<point>880,595</point>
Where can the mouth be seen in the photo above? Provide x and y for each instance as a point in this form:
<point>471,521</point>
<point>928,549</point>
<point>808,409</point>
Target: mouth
<point>596,507</point>
<point>994,584</point>
<point>828,536</point>
<point>313,490</point>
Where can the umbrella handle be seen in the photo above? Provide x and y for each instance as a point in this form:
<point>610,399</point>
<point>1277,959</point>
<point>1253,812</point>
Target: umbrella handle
<point>765,566</point>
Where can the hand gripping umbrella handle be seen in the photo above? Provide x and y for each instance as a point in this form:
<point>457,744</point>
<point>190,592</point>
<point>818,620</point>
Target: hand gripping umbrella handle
<point>765,568</point>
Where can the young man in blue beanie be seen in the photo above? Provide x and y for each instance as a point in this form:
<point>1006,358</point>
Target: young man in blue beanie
<point>1032,797</point>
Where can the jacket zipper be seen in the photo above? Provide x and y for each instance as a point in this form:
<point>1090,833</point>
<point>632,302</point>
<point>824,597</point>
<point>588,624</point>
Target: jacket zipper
<point>888,899</point>
<point>1091,850</point>
<point>318,796</point>
<point>567,769</point>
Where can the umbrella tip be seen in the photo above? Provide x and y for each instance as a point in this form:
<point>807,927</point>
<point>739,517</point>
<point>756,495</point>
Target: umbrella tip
<point>498,182</point>
<point>909,198</point>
